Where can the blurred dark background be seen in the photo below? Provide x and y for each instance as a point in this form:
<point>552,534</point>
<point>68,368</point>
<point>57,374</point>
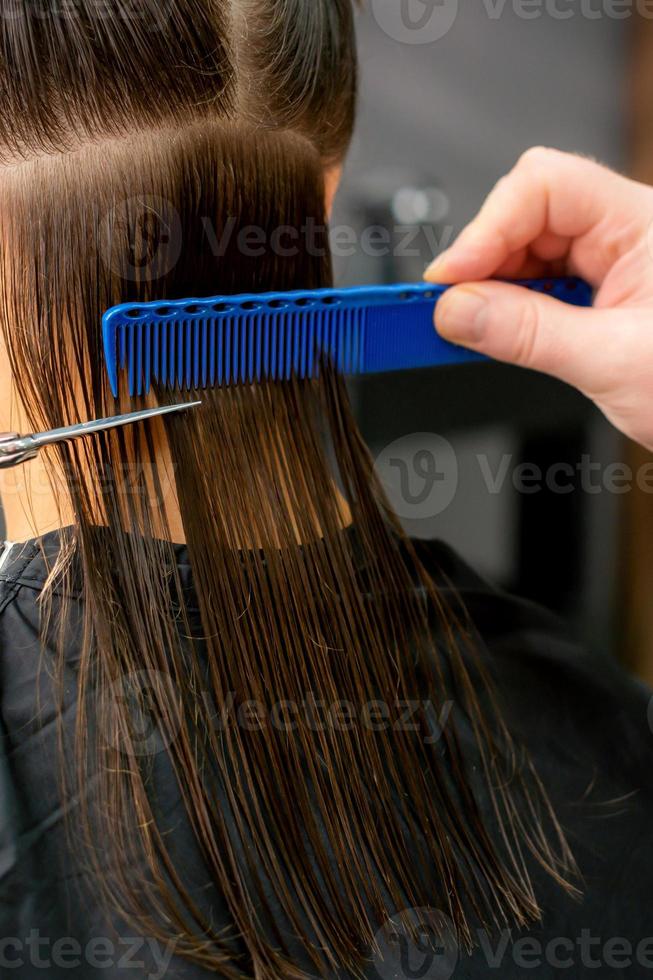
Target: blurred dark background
<point>439,123</point>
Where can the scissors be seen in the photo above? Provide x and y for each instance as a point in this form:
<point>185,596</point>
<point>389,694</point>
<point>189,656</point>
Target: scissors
<point>16,449</point>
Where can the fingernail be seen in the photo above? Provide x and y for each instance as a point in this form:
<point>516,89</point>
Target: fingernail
<point>461,316</point>
<point>437,266</point>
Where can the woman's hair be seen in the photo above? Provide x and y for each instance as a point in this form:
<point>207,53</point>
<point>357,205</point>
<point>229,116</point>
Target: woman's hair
<point>169,148</point>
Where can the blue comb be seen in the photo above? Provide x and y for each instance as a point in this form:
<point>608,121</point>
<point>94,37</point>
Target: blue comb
<point>231,340</point>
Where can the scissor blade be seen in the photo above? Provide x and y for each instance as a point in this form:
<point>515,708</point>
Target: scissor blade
<point>101,425</point>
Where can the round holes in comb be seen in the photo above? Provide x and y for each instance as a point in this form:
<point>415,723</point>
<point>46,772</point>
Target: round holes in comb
<point>193,309</point>
<point>277,304</point>
<point>250,305</point>
<point>164,311</point>
<point>222,307</point>
<point>134,314</point>
<point>331,300</point>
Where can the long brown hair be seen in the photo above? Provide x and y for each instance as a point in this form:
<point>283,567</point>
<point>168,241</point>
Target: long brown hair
<point>134,140</point>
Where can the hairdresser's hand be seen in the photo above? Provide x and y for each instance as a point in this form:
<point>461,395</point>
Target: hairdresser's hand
<point>556,214</point>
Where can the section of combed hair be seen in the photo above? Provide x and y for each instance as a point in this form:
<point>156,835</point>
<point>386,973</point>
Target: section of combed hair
<point>307,840</point>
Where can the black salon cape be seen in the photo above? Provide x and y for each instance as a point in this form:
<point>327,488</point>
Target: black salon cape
<point>585,722</point>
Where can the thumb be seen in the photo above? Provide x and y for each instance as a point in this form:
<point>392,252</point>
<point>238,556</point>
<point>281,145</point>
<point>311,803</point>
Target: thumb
<point>514,324</point>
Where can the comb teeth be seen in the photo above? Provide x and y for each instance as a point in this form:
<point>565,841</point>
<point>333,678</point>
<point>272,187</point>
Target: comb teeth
<point>206,348</point>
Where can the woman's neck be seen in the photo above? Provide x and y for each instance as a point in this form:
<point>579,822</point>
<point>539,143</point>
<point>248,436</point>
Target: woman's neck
<point>30,506</point>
